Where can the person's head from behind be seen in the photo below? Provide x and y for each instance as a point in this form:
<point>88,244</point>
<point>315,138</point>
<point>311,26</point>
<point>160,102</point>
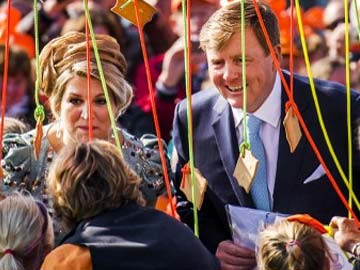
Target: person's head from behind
<point>19,83</point>
<point>103,22</point>
<point>63,80</point>
<point>220,38</point>
<point>89,178</point>
<point>14,125</point>
<point>26,233</point>
<point>201,10</point>
<point>291,245</point>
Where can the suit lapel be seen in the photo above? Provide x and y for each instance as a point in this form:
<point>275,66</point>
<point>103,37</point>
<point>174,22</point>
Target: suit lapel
<point>226,140</point>
<point>289,165</point>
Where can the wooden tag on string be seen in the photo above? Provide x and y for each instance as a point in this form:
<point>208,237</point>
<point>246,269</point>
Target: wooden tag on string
<point>126,9</point>
<point>292,129</point>
<point>245,170</point>
<point>200,185</point>
<point>38,138</point>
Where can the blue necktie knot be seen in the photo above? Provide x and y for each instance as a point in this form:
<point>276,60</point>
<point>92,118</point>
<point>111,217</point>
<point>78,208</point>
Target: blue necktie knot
<point>253,124</point>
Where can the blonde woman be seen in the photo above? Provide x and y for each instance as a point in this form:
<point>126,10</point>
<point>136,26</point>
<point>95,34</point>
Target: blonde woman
<point>63,80</point>
<point>26,233</point>
<point>97,196</point>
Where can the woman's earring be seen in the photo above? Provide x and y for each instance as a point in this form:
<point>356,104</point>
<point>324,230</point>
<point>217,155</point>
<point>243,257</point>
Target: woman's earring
<point>58,128</point>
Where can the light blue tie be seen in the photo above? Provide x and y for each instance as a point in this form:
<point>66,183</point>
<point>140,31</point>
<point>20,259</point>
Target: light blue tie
<point>259,190</point>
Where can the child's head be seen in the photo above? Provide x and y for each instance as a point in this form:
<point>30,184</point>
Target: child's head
<point>291,245</point>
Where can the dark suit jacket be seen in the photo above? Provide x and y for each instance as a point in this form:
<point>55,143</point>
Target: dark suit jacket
<point>216,152</point>
<point>139,238</point>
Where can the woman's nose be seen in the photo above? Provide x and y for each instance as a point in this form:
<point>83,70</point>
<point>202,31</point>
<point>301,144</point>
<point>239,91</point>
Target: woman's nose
<point>84,112</point>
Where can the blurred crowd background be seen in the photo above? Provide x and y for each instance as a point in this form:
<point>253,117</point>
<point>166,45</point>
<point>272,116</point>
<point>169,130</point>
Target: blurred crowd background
<point>324,24</point>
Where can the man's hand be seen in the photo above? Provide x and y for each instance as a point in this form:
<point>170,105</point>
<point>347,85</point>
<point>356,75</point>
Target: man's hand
<point>173,68</point>
<point>233,257</point>
<point>346,232</point>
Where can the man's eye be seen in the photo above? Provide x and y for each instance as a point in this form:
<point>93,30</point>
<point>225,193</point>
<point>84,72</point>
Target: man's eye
<point>216,63</point>
<point>75,101</point>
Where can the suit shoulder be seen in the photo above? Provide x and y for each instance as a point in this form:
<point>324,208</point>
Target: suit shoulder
<point>203,99</point>
<point>329,88</point>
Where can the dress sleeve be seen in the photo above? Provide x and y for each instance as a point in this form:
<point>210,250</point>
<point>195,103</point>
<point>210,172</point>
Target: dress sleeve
<point>21,170</point>
<point>68,257</point>
<point>17,161</point>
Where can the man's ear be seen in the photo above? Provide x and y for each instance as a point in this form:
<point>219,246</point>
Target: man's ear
<point>278,55</point>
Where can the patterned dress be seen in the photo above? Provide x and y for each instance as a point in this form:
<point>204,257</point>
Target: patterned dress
<point>22,172</point>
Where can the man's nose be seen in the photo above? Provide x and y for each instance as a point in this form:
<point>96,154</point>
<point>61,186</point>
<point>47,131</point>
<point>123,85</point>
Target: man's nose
<point>231,72</point>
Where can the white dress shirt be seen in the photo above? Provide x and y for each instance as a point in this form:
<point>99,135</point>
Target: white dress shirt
<point>270,113</point>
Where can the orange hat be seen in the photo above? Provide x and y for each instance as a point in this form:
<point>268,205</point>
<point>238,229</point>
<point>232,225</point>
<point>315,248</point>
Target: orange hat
<point>313,17</point>
<point>308,220</point>
<point>176,4</point>
<point>24,41</point>
<point>15,17</point>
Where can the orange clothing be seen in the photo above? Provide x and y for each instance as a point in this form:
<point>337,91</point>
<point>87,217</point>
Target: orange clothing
<point>68,257</point>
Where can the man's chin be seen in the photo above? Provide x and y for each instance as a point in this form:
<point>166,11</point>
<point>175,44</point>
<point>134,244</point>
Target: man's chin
<point>235,103</point>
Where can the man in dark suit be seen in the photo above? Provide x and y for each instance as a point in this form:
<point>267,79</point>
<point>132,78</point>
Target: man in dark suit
<point>295,182</point>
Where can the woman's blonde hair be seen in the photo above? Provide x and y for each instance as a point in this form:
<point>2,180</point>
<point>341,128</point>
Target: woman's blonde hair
<point>290,245</point>
<point>65,57</point>
<point>89,178</point>
<point>26,233</point>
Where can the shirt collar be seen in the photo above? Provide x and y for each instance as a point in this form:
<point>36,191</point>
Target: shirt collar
<point>269,111</point>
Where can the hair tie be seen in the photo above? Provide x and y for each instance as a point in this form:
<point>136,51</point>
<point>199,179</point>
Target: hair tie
<point>291,244</point>
<point>9,251</point>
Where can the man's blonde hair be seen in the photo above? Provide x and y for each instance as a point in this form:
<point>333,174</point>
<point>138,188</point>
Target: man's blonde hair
<point>226,22</point>
<point>65,57</point>
<point>89,178</point>
<point>290,245</point>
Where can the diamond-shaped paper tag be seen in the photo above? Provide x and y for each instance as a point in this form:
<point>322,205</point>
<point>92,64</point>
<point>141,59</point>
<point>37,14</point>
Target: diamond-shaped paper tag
<point>126,9</point>
<point>200,185</point>
<point>292,129</point>
<point>245,170</point>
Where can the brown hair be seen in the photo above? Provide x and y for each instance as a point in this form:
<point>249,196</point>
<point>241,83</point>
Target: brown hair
<point>290,245</point>
<point>64,57</point>
<point>225,22</point>
<point>89,178</point>
<point>19,62</point>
